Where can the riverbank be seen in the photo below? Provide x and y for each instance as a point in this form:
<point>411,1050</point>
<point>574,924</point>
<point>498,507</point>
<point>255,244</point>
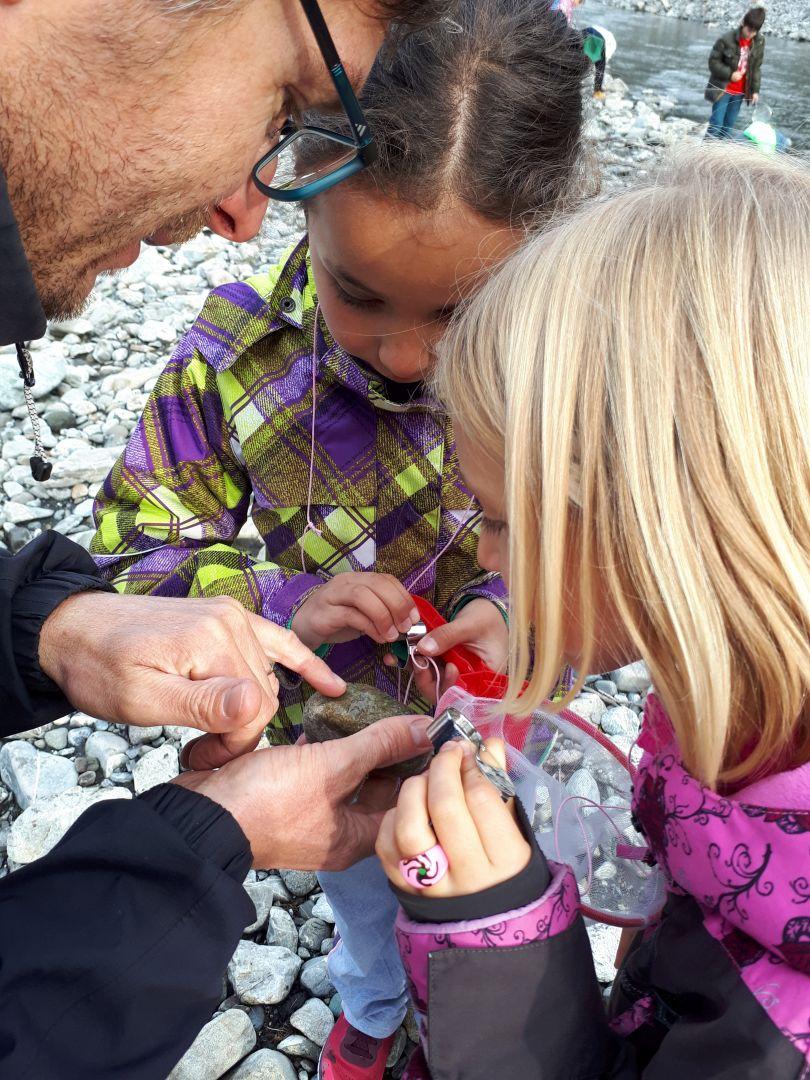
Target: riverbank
<point>785,18</point>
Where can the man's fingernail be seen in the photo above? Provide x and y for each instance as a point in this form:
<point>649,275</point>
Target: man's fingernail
<point>338,682</point>
<point>232,702</point>
<point>419,731</point>
<point>414,614</point>
<point>428,645</point>
<point>448,747</point>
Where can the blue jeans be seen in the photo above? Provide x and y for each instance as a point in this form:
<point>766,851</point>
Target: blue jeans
<point>365,965</point>
<point>724,116</point>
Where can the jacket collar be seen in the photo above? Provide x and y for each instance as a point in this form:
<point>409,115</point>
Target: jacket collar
<point>21,314</point>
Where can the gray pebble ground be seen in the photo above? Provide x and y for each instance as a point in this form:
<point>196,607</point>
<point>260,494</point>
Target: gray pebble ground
<point>93,377</point>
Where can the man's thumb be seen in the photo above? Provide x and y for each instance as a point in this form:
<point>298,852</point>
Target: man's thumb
<point>219,704</point>
<point>387,742</point>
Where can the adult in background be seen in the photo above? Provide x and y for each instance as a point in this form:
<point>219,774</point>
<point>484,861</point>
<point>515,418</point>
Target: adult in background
<point>735,65</point>
<point>121,123</point>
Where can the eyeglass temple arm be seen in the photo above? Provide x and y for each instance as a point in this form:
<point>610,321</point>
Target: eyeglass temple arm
<point>336,70</point>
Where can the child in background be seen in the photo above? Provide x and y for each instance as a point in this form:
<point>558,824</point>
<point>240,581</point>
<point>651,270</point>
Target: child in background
<point>646,438</point>
<point>735,67</point>
<point>302,390</point>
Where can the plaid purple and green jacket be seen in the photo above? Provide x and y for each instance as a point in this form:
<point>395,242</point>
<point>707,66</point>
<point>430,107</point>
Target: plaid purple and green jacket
<point>226,431</point>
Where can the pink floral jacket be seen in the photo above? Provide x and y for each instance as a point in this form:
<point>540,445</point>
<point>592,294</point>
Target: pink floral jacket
<point>720,987</point>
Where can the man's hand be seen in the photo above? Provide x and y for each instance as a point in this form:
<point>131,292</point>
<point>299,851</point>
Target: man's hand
<point>754,99</point>
<point>203,664</point>
<point>480,627</point>
<point>297,805</point>
<point>352,604</point>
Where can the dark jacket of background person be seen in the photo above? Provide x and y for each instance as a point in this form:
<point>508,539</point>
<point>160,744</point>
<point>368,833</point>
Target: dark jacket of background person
<point>723,61</point>
<point>112,946</point>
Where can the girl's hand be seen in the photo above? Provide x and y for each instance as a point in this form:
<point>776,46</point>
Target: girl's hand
<point>352,604</point>
<point>454,805</point>
<point>737,77</point>
<point>480,627</point>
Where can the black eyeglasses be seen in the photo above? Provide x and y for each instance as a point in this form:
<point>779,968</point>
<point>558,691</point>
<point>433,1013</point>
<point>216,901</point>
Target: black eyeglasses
<point>309,160</point>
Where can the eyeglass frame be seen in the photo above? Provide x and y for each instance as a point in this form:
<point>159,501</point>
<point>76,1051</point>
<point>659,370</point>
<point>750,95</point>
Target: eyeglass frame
<point>362,138</point>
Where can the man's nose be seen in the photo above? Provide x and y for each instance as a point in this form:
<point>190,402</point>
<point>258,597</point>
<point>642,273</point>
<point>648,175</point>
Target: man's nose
<point>240,216</point>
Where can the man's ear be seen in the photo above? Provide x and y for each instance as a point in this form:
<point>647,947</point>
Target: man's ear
<point>239,217</point>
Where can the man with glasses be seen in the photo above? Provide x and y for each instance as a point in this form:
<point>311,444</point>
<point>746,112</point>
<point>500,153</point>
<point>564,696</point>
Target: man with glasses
<point>122,123</point>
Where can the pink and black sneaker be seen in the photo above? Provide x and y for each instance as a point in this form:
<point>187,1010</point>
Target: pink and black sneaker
<point>348,1054</point>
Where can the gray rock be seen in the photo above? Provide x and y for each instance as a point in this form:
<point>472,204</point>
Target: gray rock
<point>32,774</point>
<point>56,738</point>
<point>312,933</point>
<point>300,882</point>
<point>589,706</point>
<point>606,686</point>
<point>332,718</point>
<point>314,1019</point>
<point>17,513</point>
<point>322,909</point>
<point>50,368</point>
<point>582,784</point>
<point>139,735</point>
<point>397,1047</point>
<point>280,890</point>
<point>604,943</point>
<point>108,748</point>
<point>300,1046</point>
<point>281,930</point>
<point>264,1065</point>
<point>262,898</point>
<point>220,1044</point>
<point>157,767</point>
<point>262,974</point>
<point>315,977</point>
<point>43,825</point>
<point>620,720</point>
<point>633,679</point>
<point>85,464</point>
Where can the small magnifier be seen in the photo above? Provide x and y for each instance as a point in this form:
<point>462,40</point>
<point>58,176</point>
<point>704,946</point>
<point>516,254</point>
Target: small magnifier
<point>453,724</point>
<point>401,648</point>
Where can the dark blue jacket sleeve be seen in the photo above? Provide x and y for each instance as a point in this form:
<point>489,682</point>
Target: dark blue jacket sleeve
<point>114,945</point>
<point>32,583</point>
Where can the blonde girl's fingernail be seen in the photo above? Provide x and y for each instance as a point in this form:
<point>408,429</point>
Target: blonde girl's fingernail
<point>448,747</point>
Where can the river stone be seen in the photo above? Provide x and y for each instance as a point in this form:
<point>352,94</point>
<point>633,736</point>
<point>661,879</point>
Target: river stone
<point>263,974</point>
<point>314,1019</point>
<point>109,749</point>
<point>620,720</point>
<point>159,766</point>
<point>32,774</point>
<point>281,929</point>
<point>315,977</point>
<point>356,709</point>
<point>582,784</point>
<point>262,897</point>
<point>265,1064</point>
<point>43,825</point>
<point>633,679</point>
<point>220,1044</point>
<point>300,1046</point>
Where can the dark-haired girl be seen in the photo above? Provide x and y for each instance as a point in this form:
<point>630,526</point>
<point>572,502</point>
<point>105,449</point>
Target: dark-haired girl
<point>300,392</point>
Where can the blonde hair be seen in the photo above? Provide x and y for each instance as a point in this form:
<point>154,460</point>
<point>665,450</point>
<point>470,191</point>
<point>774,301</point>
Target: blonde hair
<point>643,372</point>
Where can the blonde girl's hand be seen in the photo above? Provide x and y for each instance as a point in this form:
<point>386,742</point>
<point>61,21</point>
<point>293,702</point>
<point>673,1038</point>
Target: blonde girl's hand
<point>453,804</point>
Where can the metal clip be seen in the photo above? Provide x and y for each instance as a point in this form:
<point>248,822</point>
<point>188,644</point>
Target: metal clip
<point>453,724</point>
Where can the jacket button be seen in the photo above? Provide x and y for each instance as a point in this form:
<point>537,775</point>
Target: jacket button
<point>288,305</point>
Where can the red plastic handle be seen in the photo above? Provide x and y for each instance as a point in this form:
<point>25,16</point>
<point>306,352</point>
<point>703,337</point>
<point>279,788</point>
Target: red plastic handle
<point>474,675</point>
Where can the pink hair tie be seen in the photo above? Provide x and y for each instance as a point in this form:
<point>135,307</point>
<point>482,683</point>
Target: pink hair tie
<point>422,871</point>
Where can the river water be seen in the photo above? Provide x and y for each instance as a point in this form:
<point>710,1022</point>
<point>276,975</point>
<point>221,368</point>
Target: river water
<point>670,56</point>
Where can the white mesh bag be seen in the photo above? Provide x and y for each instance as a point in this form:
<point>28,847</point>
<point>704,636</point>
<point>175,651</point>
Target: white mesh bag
<point>576,787</point>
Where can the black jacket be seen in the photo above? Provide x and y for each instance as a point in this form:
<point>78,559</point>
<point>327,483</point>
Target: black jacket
<point>723,61</point>
<point>112,946</point>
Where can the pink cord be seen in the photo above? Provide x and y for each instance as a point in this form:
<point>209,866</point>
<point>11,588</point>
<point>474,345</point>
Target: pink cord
<point>429,662</point>
<point>311,526</point>
<point>585,837</point>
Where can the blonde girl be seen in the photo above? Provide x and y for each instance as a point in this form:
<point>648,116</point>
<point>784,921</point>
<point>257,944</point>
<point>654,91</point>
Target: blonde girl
<point>632,393</point>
